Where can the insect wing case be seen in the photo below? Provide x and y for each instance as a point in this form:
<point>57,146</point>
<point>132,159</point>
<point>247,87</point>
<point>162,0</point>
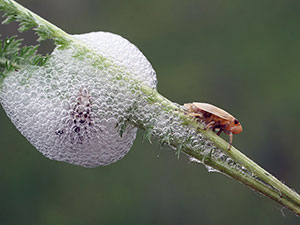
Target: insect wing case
<point>214,110</point>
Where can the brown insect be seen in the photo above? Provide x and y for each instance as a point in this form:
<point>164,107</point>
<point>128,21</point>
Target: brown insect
<point>214,118</point>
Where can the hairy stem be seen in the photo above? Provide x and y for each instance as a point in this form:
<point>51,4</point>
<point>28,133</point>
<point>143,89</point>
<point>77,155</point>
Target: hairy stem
<point>253,175</point>
<point>212,152</point>
<point>28,19</point>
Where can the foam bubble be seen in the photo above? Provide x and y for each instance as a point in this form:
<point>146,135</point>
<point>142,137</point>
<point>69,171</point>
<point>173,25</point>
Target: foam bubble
<point>69,109</point>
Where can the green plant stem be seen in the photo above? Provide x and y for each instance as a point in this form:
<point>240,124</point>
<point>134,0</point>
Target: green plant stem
<point>59,33</point>
<point>256,178</point>
<point>259,171</point>
<point>257,186</point>
<point>267,184</point>
<point>42,26</point>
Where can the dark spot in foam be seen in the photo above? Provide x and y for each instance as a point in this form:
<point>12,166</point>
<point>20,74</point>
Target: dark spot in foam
<point>59,132</point>
<point>77,129</point>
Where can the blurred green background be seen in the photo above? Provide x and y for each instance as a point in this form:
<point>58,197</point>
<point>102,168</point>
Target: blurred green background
<point>242,56</point>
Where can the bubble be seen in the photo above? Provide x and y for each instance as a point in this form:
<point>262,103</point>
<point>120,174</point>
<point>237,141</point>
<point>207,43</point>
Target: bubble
<point>69,108</point>
<point>211,169</point>
<point>193,159</point>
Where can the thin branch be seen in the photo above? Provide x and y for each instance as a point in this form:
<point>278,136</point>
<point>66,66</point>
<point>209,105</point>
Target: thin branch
<point>213,152</point>
<point>243,169</point>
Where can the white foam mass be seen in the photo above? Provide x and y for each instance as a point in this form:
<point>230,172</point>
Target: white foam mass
<point>69,108</point>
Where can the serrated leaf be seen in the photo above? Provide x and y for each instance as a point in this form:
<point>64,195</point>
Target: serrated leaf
<point>148,134</point>
<point>28,21</point>
<point>8,20</point>
<point>13,56</point>
<point>178,150</point>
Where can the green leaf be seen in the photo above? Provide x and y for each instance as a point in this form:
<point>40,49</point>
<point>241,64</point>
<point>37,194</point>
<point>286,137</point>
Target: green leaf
<point>148,134</point>
<point>13,56</point>
<point>178,150</point>
<point>28,20</point>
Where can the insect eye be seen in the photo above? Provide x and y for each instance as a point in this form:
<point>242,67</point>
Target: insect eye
<point>236,121</point>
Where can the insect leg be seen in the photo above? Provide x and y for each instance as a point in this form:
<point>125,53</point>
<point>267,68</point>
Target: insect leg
<point>230,140</point>
<point>209,125</point>
<point>196,115</point>
<point>219,132</point>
